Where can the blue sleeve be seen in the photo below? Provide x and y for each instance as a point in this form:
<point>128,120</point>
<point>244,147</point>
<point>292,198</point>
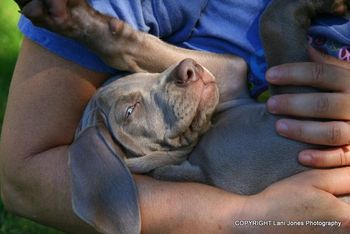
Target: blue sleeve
<point>64,47</point>
<point>173,21</point>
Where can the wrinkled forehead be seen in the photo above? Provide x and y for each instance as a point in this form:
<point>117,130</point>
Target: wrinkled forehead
<point>136,81</point>
<point>129,84</point>
<point>141,83</point>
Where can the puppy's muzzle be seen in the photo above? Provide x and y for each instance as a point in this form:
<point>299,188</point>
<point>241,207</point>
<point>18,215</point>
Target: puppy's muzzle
<point>187,72</point>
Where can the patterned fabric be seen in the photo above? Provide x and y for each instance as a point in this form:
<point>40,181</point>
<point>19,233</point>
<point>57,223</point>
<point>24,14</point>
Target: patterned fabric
<point>332,37</point>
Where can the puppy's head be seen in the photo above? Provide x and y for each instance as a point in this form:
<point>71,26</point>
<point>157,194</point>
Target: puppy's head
<point>158,116</point>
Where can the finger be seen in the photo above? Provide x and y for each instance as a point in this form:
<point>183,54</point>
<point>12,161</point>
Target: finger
<point>323,58</point>
<point>318,75</point>
<point>335,181</point>
<point>320,133</point>
<point>314,105</point>
<point>326,158</point>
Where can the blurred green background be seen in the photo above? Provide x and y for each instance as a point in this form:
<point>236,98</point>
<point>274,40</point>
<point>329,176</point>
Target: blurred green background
<point>10,40</point>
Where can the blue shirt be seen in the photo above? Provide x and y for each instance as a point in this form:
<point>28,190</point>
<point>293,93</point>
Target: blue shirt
<point>221,26</point>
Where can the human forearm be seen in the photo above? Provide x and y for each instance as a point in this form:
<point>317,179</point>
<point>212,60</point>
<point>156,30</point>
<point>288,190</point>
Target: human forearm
<point>40,190</point>
<point>169,207</point>
<point>203,209</point>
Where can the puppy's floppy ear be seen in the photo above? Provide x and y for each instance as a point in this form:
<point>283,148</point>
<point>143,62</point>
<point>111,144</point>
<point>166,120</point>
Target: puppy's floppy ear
<point>103,191</point>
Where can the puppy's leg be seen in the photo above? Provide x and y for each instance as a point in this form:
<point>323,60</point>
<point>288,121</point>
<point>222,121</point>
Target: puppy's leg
<point>284,26</point>
<point>183,172</point>
<point>112,39</point>
<point>124,48</point>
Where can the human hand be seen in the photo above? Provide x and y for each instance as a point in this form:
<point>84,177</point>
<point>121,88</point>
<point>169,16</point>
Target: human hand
<point>326,73</point>
<point>308,196</point>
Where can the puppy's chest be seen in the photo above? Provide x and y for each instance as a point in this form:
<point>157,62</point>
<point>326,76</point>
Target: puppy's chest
<point>242,148</point>
<point>240,127</point>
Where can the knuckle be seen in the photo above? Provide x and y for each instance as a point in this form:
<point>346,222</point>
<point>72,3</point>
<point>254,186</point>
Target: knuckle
<point>346,223</point>
<point>343,104</point>
<point>300,133</point>
<point>334,135</point>
<point>317,72</point>
<point>313,175</point>
<point>317,159</point>
<point>341,158</point>
<point>322,105</point>
<point>285,104</point>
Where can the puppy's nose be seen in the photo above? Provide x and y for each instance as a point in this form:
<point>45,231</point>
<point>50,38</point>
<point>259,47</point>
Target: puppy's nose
<point>186,72</point>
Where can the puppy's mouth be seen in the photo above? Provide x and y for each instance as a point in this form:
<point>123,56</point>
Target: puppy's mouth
<point>208,101</point>
<point>200,96</point>
<point>200,123</point>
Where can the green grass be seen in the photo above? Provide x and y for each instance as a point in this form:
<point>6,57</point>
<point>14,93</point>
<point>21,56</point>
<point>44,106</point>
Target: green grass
<point>9,44</point>
<point>10,39</point>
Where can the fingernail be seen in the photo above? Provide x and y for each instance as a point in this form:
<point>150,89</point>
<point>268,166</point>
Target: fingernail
<point>305,158</point>
<point>272,105</point>
<point>273,74</point>
<point>282,127</point>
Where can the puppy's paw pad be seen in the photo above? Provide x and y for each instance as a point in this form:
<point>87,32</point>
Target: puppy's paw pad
<point>48,14</point>
<point>341,7</point>
<point>34,10</point>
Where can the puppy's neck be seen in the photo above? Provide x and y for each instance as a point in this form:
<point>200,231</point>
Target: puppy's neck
<point>231,79</point>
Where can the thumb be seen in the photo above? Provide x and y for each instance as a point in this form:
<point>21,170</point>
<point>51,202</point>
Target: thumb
<point>335,181</point>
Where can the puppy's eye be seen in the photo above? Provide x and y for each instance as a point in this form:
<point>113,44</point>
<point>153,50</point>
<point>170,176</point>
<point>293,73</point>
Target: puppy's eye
<point>129,111</point>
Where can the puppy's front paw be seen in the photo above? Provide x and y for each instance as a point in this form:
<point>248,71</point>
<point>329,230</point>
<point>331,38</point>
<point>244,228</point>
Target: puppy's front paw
<point>54,15</point>
<point>122,46</point>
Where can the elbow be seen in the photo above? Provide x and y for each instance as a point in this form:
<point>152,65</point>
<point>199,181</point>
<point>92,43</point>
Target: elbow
<point>13,190</point>
<point>10,196</point>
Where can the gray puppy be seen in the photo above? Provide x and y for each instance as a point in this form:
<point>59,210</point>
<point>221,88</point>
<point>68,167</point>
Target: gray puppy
<point>153,121</point>
<point>157,118</point>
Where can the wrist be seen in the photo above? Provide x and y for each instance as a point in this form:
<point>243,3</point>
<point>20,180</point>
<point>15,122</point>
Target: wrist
<point>253,210</point>
<point>187,207</point>
<point>153,54</point>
